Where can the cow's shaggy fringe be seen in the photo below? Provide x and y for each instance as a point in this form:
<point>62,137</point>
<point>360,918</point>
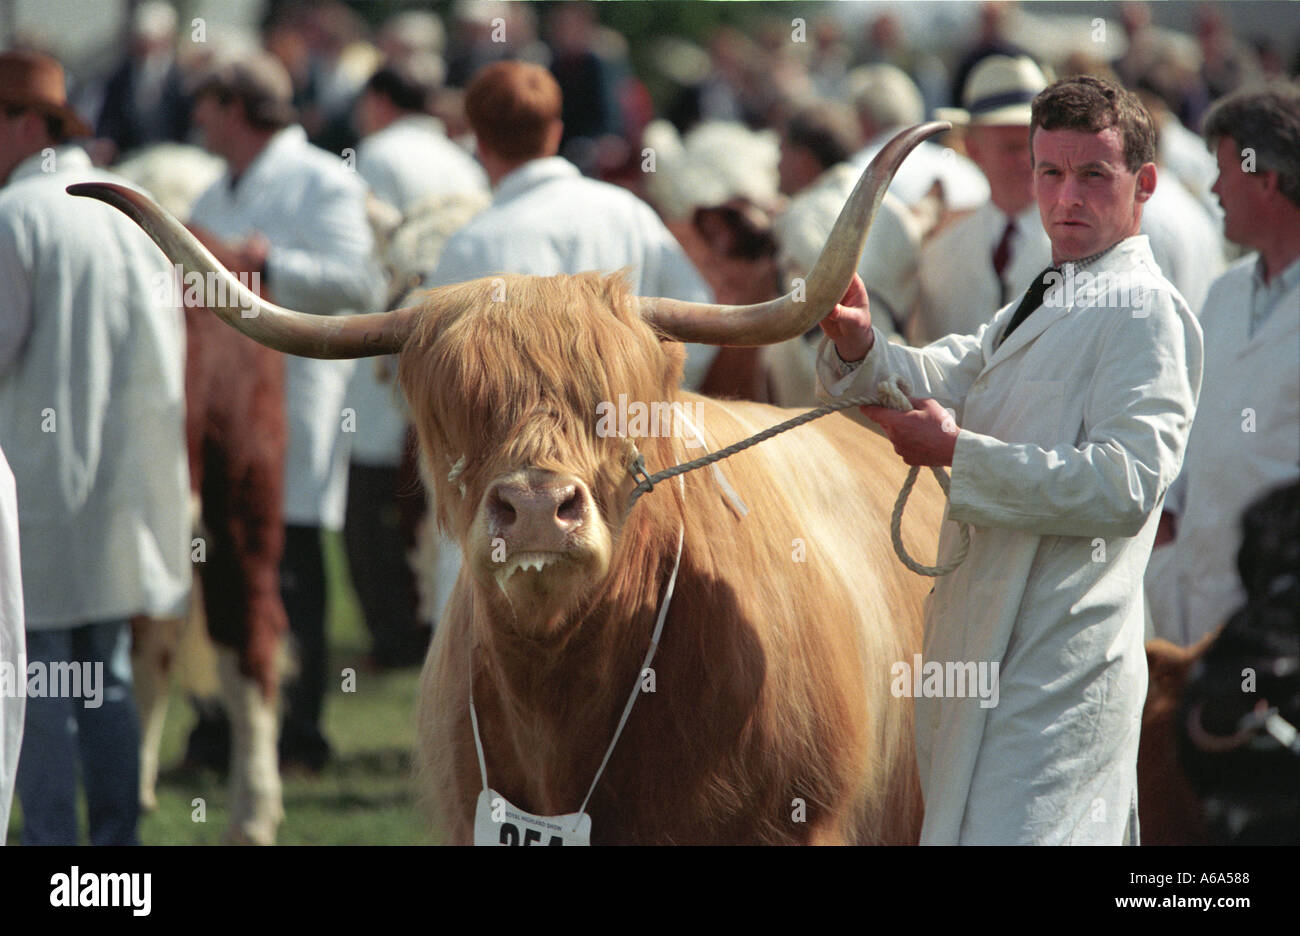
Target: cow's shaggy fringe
<point>771,719</point>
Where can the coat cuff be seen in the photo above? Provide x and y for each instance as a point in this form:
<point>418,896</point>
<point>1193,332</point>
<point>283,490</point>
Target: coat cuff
<point>833,382</point>
<point>971,448</point>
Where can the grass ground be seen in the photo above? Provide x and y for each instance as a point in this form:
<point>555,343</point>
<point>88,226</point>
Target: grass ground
<point>364,797</point>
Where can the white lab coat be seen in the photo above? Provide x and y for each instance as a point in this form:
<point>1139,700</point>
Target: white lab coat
<point>411,159</point>
<point>405,163</point>
<point>1071,432</point>
<point>312,210</point>
<point>964,186</point>
<point>1245,443</point>
<point>887,267</point>
<point>546,218</point>
<point>1186,156</point>
<point>92,402</point>
<point>1187,245</point>
<point>13,640</point>
<point>959,288</point>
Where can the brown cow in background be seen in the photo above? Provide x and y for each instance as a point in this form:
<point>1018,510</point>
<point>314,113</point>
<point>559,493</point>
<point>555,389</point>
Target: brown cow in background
<point>1168,808</point>
<point>236,437</point>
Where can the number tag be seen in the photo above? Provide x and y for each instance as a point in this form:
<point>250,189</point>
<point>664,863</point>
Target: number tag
<point>498,822</point>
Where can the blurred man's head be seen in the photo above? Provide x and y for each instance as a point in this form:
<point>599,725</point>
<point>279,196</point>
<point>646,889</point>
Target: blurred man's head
<point>1255,135</point>
<point>240,103</point>
<point>34,111</point>
<point>514,109</point>
<point>997,111</point>
<point>1093,152</point>
<point>153,29</point>
<point>395,91</point>
<point>814,139</point>
<point>885,98</point>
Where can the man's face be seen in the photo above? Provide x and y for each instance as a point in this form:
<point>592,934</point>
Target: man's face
<point>369,115</point>
<point>214,122</point>
<point>9,143</point>
<point>797,169</point>
<point>1239,193</point>
<point>1086,197</point>
<point>1002,153</point>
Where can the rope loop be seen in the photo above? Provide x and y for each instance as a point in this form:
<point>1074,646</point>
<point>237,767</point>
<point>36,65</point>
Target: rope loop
<point>893,393</point>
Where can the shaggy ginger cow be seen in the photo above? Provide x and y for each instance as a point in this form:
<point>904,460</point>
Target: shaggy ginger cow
<point>771,718</point>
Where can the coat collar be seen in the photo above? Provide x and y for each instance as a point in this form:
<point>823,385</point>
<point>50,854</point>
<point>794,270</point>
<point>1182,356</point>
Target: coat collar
<point>278,149</point>
<point>531,174</point>
<point>66,159</point>
<point>1278,323</point>
<point>1128,254</point>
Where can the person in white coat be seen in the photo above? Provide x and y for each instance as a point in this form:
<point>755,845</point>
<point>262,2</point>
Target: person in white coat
<point>887,101</point>
<point>408,162</point>
<point>1066,420</point>
<point>295,216</point>
<point>404,154</point>
<point>92,420</point>
<point>13,642</point>
<point>1246,441</point>
<point>1187,244</point>
<point>546,218</point>
<point>815,145</point>
<point>974,265</point>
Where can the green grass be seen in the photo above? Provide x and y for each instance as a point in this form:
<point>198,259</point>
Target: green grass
<point>365,796</point>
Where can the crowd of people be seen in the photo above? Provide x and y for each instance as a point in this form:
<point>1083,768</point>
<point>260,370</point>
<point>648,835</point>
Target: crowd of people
<point>353,165</point>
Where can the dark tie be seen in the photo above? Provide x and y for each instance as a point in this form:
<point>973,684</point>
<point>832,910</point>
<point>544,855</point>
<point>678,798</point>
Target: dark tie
<point>1001,257</point>
<point>1033,299</point>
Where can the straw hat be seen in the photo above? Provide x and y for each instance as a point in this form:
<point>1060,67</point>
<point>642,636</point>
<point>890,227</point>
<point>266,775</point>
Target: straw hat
<point>998,93</point>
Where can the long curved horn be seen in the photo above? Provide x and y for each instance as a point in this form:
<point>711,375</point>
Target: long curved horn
<point>315,336</point>
<point>787,317</point>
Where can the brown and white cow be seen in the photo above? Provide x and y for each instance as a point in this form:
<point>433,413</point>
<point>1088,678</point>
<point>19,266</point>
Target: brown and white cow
<point>1168,807</point>
<point>771,719</point>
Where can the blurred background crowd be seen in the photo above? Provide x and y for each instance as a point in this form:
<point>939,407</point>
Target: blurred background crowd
<point>744,126</point>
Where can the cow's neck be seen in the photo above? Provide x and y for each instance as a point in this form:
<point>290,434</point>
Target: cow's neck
<point>550,709</point>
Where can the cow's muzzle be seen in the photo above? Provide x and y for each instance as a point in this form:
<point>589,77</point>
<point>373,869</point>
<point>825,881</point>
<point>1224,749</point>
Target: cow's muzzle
<point>537,512</point>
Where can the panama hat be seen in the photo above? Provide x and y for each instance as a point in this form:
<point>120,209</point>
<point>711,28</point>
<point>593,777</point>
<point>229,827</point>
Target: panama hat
<point>33,79</point>
<point>998,93</point>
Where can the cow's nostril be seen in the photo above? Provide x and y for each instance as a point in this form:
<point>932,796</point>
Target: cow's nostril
<point>571,509</point>
<point>503,512</point>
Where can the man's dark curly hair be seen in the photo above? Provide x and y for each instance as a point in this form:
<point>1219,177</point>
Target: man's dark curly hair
<point>1090,104</point>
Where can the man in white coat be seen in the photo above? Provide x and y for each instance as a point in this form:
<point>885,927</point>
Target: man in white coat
<point>546,218</point>
<point>92,420</point>
<point>1066,420</point>
<point>13,643</point>
<point>887,101</point>
<point>1246,441</point>
<point>404,154</point>
<point>406,160</point>
<point>815,145</point>
<point>294,215</point>
<point>973,266</point>
<point>1187,244</point>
